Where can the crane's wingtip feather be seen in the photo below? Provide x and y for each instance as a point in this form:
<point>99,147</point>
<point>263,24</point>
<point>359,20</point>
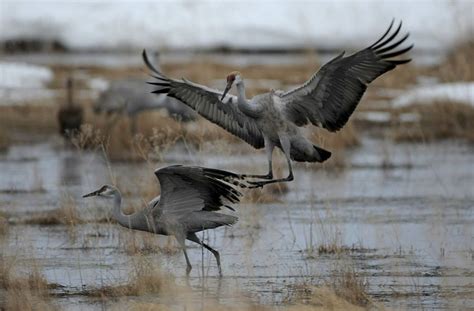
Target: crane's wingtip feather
<point>148,63</point>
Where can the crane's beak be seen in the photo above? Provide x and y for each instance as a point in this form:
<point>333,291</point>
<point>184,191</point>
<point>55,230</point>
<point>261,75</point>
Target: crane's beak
<point>92,194</point>
<point>227,88</point>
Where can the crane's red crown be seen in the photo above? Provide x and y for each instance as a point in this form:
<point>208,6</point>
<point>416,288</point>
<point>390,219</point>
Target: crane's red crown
<point>232,75</point>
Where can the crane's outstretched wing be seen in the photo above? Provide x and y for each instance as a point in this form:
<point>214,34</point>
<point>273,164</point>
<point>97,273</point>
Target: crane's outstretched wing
<point>186,189</point>
<point>328,99</point>
<point>207,103</point>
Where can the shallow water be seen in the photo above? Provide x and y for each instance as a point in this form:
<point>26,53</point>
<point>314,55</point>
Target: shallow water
<point>409,226</point>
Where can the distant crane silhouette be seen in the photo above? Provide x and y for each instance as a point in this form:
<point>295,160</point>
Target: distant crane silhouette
<point>70,116</point>
<point>132,96</point>
<point>273,119</point>
<point>189,201</point>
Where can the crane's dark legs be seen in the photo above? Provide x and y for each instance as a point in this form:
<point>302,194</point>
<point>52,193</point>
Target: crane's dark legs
<point>195,239</point>
<point>181,241</point>
<point>269,151</point>
<point>188,263</point>
<point>286,145</point>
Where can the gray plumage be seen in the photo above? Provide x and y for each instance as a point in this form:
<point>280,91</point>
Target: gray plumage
<point>189,201</point>
<point>273,119</point>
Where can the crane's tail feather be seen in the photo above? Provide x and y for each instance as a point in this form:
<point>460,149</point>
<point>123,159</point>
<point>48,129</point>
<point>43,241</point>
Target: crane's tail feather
<point>323,154</point>
<point>228,177</point>
<point>316,154</point>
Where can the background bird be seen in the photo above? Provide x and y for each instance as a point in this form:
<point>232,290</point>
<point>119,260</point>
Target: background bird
<point>70,115</point>
<point>189,201</point>
<point>132,96</point>
<point>273,119</point>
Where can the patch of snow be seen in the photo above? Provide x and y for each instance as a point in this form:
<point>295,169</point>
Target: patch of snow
<point>375,116</point>
<point>386,117</point>
<point>451,92</point>
<point>19,75</point>
<point>18,96</point>
<point>21,82</point>
<point>182,24</point>
<point>409,117</point>
<point>98,84</point>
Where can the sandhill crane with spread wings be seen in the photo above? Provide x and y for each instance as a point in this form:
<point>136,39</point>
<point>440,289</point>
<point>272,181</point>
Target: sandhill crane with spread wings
<point>189,201</point>
<point>273,119</point>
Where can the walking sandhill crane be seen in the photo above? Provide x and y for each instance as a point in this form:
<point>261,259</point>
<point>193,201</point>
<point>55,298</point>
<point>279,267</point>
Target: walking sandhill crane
<point>273,119</point>
<point>189,201</point>
<point>70,115</point>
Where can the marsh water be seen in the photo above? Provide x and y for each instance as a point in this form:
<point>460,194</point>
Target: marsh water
<point>400,214</point>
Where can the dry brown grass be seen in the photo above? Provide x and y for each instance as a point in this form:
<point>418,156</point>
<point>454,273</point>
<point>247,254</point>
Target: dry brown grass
<point>349,286</point>
<point>311,298</point>
<point>337,143</point>
<point>271,193</point>
<point>439,120</point>
<point>28,292</point>
<point>35,119</point>
<point>345,290</point>
<point>66,214</point>
<point>146,279</point>
<point>156,133</point>
<point>324,298</point>
<point>458,65</point>
<point>140,243</point>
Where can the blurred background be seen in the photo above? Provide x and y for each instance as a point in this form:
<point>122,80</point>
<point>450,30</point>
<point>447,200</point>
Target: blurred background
<point>394,203</point>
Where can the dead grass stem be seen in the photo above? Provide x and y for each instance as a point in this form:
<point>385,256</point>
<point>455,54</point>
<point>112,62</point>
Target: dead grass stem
<point>35,119</point>
<point>146,279</point>
<point>338,143</point>
<point>28,292</point>
<point>439,120</point>
<point>66,214</point>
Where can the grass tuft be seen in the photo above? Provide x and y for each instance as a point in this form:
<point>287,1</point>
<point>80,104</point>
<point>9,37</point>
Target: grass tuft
<point>439,120</point>
<point>146,280</point>
<point>28,292</point>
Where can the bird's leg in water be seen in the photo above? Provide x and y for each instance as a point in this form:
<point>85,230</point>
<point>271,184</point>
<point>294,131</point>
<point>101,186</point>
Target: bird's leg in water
<point>286,145</point>
<point>188,263</point>
<point>269,151</point>
<point>195,239</point>
<point>183,246</point>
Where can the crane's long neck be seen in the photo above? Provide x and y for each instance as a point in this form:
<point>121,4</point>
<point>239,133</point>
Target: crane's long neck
<point>137,220</point>
<point>249,109</point>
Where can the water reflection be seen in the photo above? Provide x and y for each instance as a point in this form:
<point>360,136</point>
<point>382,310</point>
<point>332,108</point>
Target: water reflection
<point>70,170</point>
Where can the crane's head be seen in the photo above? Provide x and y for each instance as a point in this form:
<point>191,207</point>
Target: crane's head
<point>105,191</point>
<point>233,77</point>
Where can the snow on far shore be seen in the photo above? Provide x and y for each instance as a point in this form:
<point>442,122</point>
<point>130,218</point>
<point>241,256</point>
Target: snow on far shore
<point>21,82</point>
<point>451,92</point>
<point>18,75</point>
<point>186,24</point>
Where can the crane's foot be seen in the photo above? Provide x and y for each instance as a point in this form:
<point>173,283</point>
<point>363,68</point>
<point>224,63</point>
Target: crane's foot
<point>260,184</point>
<point>267,176</point>
<point>188,270</point>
